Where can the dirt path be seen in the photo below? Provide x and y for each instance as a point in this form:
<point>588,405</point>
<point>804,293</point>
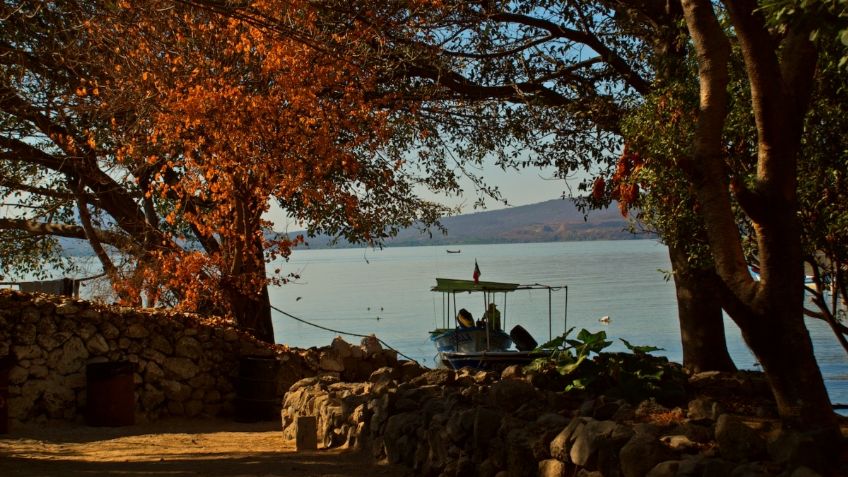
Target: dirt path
<point>174,448</point>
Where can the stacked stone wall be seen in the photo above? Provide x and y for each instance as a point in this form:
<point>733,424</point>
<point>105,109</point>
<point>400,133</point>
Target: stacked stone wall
<point>442,423</point>
<point>184,365</point>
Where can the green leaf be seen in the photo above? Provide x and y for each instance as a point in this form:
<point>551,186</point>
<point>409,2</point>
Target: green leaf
<point>640,349</point>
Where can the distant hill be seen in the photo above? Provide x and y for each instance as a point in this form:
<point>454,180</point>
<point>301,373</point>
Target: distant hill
<point>551,221</point>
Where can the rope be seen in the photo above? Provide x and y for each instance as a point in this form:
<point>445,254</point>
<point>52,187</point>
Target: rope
<point>342,332</point>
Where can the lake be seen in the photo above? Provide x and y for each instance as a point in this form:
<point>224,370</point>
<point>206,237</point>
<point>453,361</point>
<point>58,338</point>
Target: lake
<point>387,293</point>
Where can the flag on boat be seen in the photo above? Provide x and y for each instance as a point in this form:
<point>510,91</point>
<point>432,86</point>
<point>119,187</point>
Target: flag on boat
<point>476,272</point>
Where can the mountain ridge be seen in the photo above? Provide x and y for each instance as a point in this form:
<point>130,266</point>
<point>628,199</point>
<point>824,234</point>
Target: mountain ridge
<point>556,220</point>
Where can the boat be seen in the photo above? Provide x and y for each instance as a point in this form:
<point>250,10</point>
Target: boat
<point>454,251</point>
<point>484,344</point>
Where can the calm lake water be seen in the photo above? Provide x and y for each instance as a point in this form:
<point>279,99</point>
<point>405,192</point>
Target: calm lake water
<point>387,293</point>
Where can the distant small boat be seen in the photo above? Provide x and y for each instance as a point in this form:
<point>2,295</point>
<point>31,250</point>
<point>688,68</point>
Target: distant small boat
<point>604,319</point>
<point>453,251</point>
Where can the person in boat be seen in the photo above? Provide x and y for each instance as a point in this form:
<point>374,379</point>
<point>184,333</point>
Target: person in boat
<point>464,318</point>
<point>493,317</point>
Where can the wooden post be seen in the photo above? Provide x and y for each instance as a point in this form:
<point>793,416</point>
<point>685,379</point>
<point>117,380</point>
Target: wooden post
<point>307,433</point>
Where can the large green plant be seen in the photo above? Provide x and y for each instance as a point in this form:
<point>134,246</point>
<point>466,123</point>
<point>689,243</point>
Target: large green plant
<point>633,376</point>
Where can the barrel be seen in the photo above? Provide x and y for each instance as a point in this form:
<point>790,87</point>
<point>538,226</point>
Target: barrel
<point>110,394</point>
<point>5,365</point>
<point>256,390</point>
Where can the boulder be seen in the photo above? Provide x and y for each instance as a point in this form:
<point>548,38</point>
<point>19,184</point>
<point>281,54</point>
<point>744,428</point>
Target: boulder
<point>561,445</point>
<point>704,410</point>
<point>552,468</point>
<point>668,468</point>
<point>641,453</point>
<point>588,439</point>
<point>736,441</point>
<point>512,394</point>
<point>795,449</point>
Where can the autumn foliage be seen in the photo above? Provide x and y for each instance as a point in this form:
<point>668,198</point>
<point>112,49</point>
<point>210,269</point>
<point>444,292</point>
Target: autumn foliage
<point>210,115</point>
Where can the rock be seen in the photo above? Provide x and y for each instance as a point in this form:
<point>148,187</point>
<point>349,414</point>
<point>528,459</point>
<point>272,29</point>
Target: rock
<point>97,344</point>
<point>151,398</point>
<point>409,370</point>
<point>679,443</point>
<point>137,330</point>
<point>588,440</point>
<point>703,410</point>
<point>181,367</point>
<point>641,453</point>
<point>519,453</point>
<point>189,347</point>
<point>18,375</point>
<point>71,358</point>
<point>695,432</point>
<point>561,445</point>
<point>66,308</point>
<point>795,449</point>
<point>716,468</point>
<point>399,438</point>
<point>550,420</point>
<point>176,391</point>
<point>513,372</point>
<point>153,373</point>
<point>436,377</point>
<point>649,407</point>
<point>485,426</point>
<point>736,441</point>
<point>329,362</point>
<point>552,468</point>
<point>341,348</point>
<point>664,469</point>
<point>28,352</point>
<point>371,345</point>
<point>588,473</point>
<point>751,469</point>
<point>804,472</point>
<point>513,393</point>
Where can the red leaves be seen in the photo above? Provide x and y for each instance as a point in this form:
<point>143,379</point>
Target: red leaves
<point>625,180</point>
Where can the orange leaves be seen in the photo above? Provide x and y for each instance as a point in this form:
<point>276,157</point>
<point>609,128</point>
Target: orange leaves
<point>625,180</point>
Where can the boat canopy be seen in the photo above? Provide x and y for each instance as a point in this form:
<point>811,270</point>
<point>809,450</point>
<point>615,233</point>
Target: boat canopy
<point>449,285</point>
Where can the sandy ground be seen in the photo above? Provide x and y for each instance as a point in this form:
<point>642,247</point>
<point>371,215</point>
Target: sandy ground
<point>174,448</point>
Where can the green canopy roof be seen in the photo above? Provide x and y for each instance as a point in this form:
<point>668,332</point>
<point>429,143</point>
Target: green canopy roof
<point>456,285</point>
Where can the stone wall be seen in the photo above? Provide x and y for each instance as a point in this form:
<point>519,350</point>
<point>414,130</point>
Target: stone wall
<point>185,365</point>
<point>474,423</point>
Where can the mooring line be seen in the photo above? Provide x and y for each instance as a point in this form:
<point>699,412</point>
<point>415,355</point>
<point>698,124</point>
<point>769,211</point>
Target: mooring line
<point>342,332</point>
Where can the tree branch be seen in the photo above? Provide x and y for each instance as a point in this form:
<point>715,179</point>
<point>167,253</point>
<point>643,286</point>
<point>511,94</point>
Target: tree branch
<point>35,229</point>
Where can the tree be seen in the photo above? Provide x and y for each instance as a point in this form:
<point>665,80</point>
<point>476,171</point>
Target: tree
<point>581,71</point>
<point>770,311</point>
<point>159,131</point>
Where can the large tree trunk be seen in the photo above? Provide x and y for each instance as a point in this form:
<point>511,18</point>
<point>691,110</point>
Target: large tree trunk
<point>700,315</point>
<point>252,310</point>
<point>253,313</point>
<point>769,313</point>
